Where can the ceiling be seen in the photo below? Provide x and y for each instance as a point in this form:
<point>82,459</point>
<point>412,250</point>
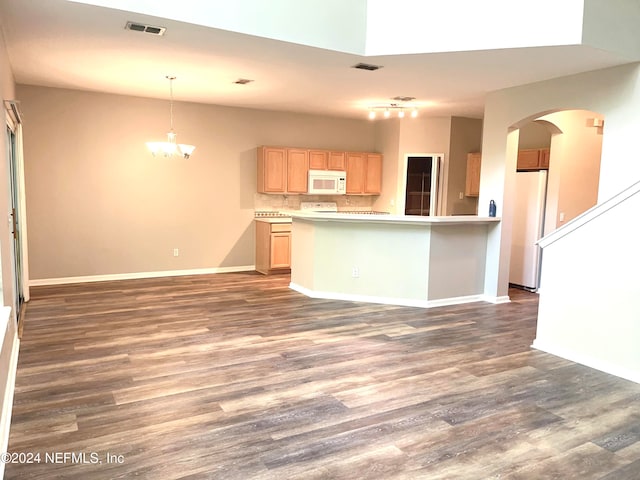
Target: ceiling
<point>64,44</point>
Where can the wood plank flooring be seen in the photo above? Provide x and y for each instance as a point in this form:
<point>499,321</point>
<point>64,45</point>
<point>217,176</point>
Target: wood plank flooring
<point>235,376</point>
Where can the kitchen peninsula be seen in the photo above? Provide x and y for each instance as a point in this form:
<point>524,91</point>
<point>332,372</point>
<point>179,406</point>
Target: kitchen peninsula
<point>392,259</point>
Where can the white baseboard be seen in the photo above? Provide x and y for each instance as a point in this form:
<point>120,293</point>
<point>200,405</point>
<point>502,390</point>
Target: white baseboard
<point>9,388</point>
<point>496,300</point>
<point>587,360</point>
<point>137,275</point>
<point>404,302</point>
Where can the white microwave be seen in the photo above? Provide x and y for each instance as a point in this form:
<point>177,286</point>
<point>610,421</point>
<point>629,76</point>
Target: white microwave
<point>327,182</point>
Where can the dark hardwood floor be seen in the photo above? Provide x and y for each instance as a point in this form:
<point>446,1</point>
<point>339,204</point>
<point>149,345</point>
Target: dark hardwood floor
<point>235,376</point>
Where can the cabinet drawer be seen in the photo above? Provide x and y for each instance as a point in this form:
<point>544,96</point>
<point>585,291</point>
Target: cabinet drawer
<point>280,227</point>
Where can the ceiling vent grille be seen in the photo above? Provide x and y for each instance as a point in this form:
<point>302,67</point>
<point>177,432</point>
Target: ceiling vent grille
<point>404,99</point>
<point>242,81</point>
<point>367,66</point>
<point>140,27</point>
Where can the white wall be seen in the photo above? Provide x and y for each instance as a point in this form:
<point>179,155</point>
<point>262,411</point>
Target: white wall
<point>8,323</point>
<point>486,25</point>
<point>589,308</point>
<point>614,93</point>
<point>330,24</point>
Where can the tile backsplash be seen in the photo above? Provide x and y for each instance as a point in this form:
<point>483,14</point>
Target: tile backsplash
<point>268,202</point>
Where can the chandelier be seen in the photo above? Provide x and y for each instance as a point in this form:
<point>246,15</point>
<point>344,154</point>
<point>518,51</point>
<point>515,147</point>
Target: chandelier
<point>399,108</point>
<point>171,147</point>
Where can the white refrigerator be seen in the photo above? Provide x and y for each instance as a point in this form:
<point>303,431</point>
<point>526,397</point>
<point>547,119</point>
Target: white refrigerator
<point>528,225</point>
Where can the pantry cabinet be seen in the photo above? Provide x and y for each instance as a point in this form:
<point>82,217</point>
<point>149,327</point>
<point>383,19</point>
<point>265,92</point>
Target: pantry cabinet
<point>273,247</point>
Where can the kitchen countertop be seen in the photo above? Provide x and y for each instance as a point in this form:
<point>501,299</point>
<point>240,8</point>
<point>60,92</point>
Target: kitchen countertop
<point>273,219</point>
<point>398,219</point>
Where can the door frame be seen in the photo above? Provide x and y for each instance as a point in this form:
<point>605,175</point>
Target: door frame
<point>15,163</point>
<point>402,182</point>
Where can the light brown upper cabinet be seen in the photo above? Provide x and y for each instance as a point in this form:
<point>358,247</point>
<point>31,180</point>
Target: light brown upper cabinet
<point>272,170</point>
<point>282,170</point>
<point>297,170</point>
<point>355,172</point>
<point>533,159</point>
<point>544,158</point>
<point>472,186</point>
<point>318,159</point>
<point>364,173</point>
<point>286,169</point>
<point>373,174</point>
<point>326,160</point>
<point>336,161</point>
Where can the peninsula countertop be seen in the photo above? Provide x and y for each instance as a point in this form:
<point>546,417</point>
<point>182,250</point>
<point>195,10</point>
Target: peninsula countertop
<point>393,259</point>
<point>390,219</point>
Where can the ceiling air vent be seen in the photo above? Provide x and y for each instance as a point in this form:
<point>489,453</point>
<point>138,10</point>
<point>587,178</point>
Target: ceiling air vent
<point>140,27</point>
<point>404,99</point>
<point>242,81</point>
<point>367,66</point>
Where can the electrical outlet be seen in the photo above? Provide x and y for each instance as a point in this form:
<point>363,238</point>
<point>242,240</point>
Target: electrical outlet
<point>355,272</point>
<point>460,195</point>
<point>562,216</point>
<point>176,252</point>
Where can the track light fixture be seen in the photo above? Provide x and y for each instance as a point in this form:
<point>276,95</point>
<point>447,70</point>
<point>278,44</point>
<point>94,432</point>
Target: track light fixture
<point>399,109</point>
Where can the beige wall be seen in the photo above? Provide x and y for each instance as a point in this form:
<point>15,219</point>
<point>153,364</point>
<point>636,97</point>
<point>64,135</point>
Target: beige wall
<point>574,170</point>
<point>534,135</point>
<point>466,137</point>
<point>453,137</point>
<point>98,203</point>
<point>387,143</point>
<point>398,137</point>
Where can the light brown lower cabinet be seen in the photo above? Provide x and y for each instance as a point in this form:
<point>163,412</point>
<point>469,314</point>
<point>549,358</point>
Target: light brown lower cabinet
<point>273,247</point>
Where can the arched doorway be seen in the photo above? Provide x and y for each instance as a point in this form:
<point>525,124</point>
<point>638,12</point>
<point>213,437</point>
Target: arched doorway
<point>550,193</point>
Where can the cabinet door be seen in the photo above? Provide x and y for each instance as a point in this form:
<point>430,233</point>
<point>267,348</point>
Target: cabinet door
<point>472,186</point>
<point>356,164</point>
<point>318,159</point>
<point>281,250</point>
<point>529,159</point>
<point>373,174</point>
<point>297,170</point>
<point>336,161</point>
<point>272,170</point>
<point>544,158</point>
